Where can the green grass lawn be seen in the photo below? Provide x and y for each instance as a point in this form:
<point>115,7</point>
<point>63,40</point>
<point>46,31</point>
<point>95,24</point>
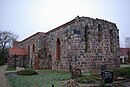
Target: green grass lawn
<point>45,79</point>
<point>10,69</point>
<point>125,65</point>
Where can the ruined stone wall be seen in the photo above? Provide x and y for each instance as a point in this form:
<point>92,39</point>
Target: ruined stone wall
<point>64,35</point>
<point>17,61</point>
<point>38,40</point>
<point>73,44</point>
<point>33,44</point>
<point>83,43</point>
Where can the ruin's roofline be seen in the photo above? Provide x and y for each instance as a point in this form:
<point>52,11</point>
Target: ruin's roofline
<point>61,26</point>
<point>31,36</point>
<point>66,24</point>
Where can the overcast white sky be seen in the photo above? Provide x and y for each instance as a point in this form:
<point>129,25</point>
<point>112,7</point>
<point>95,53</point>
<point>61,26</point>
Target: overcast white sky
<point>26,17</point>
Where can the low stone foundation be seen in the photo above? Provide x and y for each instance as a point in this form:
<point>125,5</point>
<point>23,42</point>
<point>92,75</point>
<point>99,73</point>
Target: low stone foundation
<point>17,61</point>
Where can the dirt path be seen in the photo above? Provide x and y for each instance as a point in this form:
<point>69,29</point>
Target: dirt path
<point>3,82</point>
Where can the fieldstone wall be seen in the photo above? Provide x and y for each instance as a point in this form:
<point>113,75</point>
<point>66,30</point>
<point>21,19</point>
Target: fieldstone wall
<point>33,44</point>
<point>17,61</point>
<point>73,44</point>
<point>83,43</point>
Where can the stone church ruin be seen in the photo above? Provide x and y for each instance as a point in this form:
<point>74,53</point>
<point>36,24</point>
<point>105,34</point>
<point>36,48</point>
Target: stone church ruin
<point>84,43</point>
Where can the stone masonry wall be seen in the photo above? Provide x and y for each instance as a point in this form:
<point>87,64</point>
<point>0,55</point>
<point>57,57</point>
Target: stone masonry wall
<point>72,39</point>
<point>83,43</point>
<point>17,61</point>
<point>33,44</point>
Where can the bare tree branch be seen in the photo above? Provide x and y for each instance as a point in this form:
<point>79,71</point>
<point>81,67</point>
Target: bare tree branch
<point>6,39</point>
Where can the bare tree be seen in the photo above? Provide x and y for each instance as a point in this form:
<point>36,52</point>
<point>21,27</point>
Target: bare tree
<point>6,41</point>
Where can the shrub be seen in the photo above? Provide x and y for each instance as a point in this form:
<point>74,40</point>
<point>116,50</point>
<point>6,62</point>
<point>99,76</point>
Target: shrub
<point>1,62</point>
<point>27,72</point>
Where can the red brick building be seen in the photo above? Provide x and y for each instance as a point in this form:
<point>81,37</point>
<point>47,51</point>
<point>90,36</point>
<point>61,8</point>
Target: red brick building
<point>125,55</point>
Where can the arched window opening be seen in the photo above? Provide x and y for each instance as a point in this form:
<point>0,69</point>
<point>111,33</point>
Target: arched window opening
<point>99,33</point>
<point>49,62</point>
<point>33,49</point>
<point>58,49</point>
<point>86,37</point>
<point>111,43</point>
<point>28,50</point>
<point>50,56</point>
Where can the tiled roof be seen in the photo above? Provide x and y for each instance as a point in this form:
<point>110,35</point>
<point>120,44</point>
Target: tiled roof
<point>124,51</point>
<point>17,51</point>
